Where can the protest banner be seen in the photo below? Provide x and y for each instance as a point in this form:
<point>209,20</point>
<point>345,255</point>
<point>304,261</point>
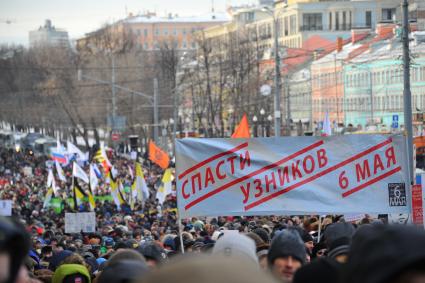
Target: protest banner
<point>81,221</point>
<point>292,175</point>
<point>6,207</point>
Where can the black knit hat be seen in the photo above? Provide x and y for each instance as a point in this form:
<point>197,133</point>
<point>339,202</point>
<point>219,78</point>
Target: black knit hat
<point>263,234</point>
<point>323,270</point>
<point>379,253</point>
<point>287,243</point>
<point>338,238</point>
<point>15,241</point>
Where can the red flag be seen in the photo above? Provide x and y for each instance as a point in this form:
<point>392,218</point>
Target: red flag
<point>158,156</point>
<point>242,130</point>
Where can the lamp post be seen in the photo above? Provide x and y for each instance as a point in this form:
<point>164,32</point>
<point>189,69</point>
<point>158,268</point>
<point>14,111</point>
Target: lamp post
<point>269,121</point>
<point>255,120</point>
<point>262,112</point>
<point>277,114</point>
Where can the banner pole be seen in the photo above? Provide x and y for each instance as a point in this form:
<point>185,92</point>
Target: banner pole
<point>320,229</point>
<point>181,233</point>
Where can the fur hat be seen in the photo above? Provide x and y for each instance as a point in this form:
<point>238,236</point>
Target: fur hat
<point>287,243</point>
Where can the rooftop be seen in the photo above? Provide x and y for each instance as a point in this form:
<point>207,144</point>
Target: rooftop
<point>210,17</point>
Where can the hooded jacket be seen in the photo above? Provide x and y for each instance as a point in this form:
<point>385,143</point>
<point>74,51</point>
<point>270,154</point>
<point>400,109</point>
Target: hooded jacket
<point>70,269</point>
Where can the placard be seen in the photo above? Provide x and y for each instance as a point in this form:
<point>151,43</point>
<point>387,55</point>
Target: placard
<point>6,207</point>
<point>81,221</point>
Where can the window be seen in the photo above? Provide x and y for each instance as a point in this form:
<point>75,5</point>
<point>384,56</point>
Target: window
<point>193,45</point>
<point>139,32</point>
<point>337,20</point>
<point>286,26</point>
<point>368,16</point>
<point>175,32</point>
<point>293,24</point>
<point>312,21</point>
<point>146,32</point>
<point>330,20</point>
<point>184,45</point>
<point>157,32</point>
<point>184,31</point>
<point>344,20</point>
<point>165,31</point>
<point>146,45</point>
<point>388,14</point>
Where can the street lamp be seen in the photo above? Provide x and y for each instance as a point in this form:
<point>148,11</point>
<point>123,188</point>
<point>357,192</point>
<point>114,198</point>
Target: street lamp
<point>269,119</point>
<point>262,112</point>
<point>255,119</point>
<point>277,115</point>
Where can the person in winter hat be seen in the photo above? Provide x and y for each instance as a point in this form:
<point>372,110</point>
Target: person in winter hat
<point>233,244</point>
<point>67,273</point>
<point>386,254</point>
<point>338,239</point>
<point>14,246</point>
<point>286,255</point>
<point>322,270</point>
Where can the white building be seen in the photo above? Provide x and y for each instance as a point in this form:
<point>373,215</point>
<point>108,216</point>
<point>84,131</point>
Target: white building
<point>48,35</point>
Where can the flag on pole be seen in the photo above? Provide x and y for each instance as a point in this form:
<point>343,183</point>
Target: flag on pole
<point>59,157</point>
<point>327,131</point>
<point>139,186</point>
<point>102,158</point>
<point>116,194</point>
<point>96,170</point>
<point>59,170</point>
<point>48,197</point>
<point>72,149</point>
<point>92,203</point>
<point>51,181</point>
<point>78,172</point>
<point>242,130</point>
<point>79,195</point>
<point>94,182</point>
<point>165,187</point>
<point>158,156</point>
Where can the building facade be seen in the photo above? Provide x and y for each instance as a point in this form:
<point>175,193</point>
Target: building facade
<point>48,35</point>
<point>374,85</point>
<point>148,31</point>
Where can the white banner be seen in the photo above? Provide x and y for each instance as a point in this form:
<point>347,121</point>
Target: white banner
<point>6,207</point>
<point>82,221</point>
<point>292,175</point>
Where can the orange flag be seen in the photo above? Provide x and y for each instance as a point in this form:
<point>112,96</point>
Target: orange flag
<point>242,130</point>
<point>158,156</point>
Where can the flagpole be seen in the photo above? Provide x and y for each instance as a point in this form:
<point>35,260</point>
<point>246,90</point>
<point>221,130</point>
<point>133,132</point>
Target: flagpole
<point>180,233</point>
<point>73,191</point>
<point>320,228</point>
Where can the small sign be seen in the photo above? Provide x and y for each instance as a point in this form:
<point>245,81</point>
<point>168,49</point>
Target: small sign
<point>82,221</point>
<point>115,136</point>
<point>6,207</point>
<point>417,205</point>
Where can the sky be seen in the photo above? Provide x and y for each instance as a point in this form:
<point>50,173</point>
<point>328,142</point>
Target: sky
<point>82,16</point>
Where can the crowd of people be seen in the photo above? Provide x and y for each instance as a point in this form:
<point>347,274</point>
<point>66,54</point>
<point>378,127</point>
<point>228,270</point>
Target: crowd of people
<point>145,243</point>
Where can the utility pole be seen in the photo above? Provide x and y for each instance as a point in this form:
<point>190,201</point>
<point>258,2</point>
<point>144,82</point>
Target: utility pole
<point>406,91</point>
<point>113,93</point>
<point>288,105</point>
<point>155,110</point>
<point>277,121</point>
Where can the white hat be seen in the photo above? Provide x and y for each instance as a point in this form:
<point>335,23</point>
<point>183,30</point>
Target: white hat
<point>235,245</point>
